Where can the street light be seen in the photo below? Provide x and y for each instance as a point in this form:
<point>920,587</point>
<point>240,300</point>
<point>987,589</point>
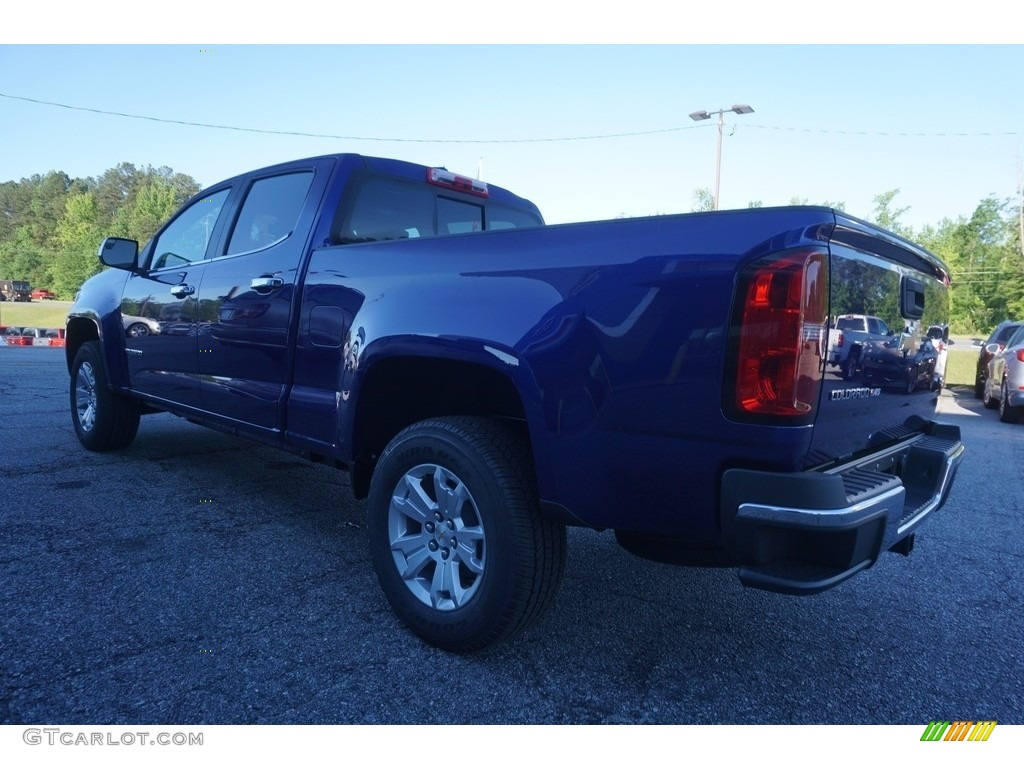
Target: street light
<point>739,109</point>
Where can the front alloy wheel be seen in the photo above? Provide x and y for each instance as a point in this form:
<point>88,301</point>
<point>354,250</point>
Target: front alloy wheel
<point>102,420</point>
<point>456,535</point>
<point>85,396</point>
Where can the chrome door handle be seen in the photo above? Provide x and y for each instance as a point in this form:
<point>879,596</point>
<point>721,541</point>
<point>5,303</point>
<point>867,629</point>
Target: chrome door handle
<point>181,291</point>
<point>266,283</point>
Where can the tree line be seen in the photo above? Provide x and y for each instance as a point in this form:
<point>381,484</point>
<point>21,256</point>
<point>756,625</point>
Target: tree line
<point>51,226</point>
<point>983,252</point>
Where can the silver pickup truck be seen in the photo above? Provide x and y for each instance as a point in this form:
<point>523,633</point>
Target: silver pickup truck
<point>847,337</point>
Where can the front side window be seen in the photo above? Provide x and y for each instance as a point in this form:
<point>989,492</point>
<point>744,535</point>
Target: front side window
<point>270,211</point>
<point>185,239</point>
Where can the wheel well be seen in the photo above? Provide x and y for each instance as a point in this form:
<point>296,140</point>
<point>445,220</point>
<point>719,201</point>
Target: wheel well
<point>79,331</point>
<point>401,391</point>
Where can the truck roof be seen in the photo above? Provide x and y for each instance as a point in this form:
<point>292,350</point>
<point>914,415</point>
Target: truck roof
<point>390,167</point>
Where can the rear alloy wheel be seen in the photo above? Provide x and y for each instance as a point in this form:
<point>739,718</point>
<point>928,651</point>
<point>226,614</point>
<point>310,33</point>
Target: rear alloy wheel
<point>456,536</point>
<point>912,380</point>
<point>103,421</point>
<point>849,369</point>
<point>1009,414</point>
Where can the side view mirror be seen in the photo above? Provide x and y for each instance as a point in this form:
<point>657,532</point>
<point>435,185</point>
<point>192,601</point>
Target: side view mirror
<point>119,253</point>
<point>993,348</point>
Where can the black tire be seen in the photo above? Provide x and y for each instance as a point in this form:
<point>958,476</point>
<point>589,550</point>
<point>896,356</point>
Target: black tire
<point>849,369</point>
<point>911,381</point>
<point>505,570</point>
<point>103,420</point>
<point>1008,414</point>
<point>988,402</point>
<point>979,389</point>
<point>135,330</point>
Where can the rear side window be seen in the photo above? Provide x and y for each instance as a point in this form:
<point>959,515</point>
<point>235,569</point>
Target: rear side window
<point>501,217</point>
<point>1005,333</point>
<point>1016,338</point>
<point>388,210</point>
<point>383,208</point>
<point>270,211</point>
<point>454,217</point>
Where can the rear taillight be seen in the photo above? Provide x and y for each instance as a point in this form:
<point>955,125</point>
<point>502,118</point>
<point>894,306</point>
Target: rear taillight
<point>840,342</point>
<point>1020,355</point>
<point>780,326</point>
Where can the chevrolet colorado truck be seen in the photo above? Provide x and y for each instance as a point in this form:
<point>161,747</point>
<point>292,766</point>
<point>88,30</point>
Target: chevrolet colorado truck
<point>488,380</point>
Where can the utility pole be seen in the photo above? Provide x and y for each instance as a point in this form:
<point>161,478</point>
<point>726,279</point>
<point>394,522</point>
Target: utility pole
<point>739,109</point>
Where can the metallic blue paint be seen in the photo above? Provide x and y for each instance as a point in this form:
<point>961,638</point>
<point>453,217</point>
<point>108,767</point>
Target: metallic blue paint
<point>614,336</point>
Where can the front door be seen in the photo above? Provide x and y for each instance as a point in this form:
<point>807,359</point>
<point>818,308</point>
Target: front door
<point>159,307</point>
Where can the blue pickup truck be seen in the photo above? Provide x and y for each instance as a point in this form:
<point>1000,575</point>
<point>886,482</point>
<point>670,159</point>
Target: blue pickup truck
<point>488,380</point>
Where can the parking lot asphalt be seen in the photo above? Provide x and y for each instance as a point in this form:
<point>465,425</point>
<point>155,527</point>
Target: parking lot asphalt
<point>196,578</point>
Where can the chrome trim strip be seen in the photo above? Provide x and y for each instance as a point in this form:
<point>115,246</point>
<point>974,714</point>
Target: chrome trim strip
<point>822,517</point>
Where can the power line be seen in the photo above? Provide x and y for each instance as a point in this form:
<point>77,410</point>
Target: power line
<point>546,139</point>
<point>338,136</point>
<point>916,134</point>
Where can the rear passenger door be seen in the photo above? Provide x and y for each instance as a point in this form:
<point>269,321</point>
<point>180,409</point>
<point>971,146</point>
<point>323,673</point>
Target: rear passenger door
<point>248,295</point>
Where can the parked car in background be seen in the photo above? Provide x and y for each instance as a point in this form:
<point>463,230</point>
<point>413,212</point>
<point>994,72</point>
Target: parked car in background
<point>848,337</point>
<point>55,337</point>
<point>892,363</point>
<point>42,293</point>
<point>20,337</point>
<point>939,335</point>
<point>1004,384</point>
<point>999,336</point>
<point>135,326</point>
<point>15,290</point>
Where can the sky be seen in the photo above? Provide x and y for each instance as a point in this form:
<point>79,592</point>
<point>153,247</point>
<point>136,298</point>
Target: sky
<point>585,131</point>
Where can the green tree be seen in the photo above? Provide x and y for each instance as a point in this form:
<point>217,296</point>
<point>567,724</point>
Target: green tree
<point>986,264</point>
<point>79,235</point>
<point>887,217</point>
<point>153,203</point>
<point>703,200</point>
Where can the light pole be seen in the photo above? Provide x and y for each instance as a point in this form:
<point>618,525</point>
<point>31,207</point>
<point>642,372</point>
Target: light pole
<point>739,109</point>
